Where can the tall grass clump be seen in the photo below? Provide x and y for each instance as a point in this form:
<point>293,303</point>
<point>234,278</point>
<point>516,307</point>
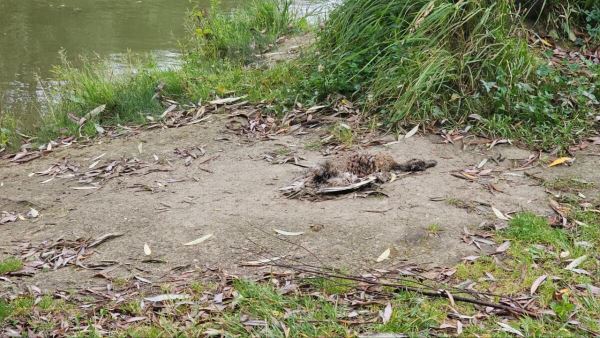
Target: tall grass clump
<point>411,59</point>
<point>414,60</point>
<point>127,93</point>
<point>9,135</point>
<point>221,56</point>
<point>241,33</point>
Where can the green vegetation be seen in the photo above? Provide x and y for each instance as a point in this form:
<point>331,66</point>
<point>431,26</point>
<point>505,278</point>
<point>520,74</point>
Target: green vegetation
<point>217,61</point>
<point>8,130</point>
<point>565,18</point>
<point>400,62</point>
<point>568,184</point>
<point>10,264</point>
<point>434,60</point>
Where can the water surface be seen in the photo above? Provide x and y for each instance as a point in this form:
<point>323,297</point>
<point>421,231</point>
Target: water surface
<point>32,32</point>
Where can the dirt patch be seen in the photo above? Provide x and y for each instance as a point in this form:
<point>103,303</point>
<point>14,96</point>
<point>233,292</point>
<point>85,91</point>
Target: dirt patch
<point>231,192</point>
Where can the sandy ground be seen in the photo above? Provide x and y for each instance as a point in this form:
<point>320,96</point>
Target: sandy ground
<point>235,198</point>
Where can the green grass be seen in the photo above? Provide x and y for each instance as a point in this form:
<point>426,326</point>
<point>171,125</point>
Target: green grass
<point>568,184</point>
<point>9,127</point>
<point>433,60</point>
<point>242,33</point>
<point>127,96</point>
<point>530,228</point>
<point>10,264</point>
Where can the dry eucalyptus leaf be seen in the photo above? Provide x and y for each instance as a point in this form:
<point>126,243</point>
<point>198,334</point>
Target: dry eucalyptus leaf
<point>387,313</point>
<point>166,297</point>
<point>576,262</point>
<point>262,261</point>
<point>499,214</point>
<point>503,247</point>
<point>385,255</point>
<point>288,233</point>
<point>560,161</point>
<point>199,240</point>
<point>536,284</point>
<point>510,329</point>
<point>412,132</point>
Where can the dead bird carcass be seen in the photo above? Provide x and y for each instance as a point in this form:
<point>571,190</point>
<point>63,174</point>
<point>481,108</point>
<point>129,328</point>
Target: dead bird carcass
<point>349,172</point>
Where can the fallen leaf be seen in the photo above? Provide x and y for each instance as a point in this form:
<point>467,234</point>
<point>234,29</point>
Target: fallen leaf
<point>576,262</point>
<point>387,313</point>
<point>93,165</point>
<point>412,132</point>
<point>199,240</point>
<point>165,297</point>
<point>482,163</point>
<point>288,233</point>
<point>147,250</point>
<point>135,319</point>
<point>262,261</point>
<point>170,109</point>
<point>503,247</point>
<point>142,279</point>
<point>591,288</point>
<point>226,100</point>
<point>499,214</point>
<point>385,255</point>
<point>104,238</point>
<point>471,258</point>
<point>510,329</point>
<point>95,112</point>
<point>85,188</point>
<point>561,160</point>
<point>536,284</point>
<point>32,213</point>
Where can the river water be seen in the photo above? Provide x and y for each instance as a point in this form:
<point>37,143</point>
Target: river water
<point>33,32</point>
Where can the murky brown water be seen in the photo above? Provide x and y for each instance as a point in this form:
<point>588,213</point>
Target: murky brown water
<point>32,32</point>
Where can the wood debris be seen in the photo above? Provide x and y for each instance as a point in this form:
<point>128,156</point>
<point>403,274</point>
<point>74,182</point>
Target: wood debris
<point>56,254</point>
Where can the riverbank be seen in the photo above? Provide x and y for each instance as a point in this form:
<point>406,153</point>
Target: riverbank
<point>528,88</point>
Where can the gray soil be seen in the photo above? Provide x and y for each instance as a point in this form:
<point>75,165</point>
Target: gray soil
<point>235,198</point>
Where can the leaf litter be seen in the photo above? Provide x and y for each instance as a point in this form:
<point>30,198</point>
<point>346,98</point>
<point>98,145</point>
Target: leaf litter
<point>56,254</point>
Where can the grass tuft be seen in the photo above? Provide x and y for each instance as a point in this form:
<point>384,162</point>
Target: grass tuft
<point>529,228</point>
<point>10,264</point>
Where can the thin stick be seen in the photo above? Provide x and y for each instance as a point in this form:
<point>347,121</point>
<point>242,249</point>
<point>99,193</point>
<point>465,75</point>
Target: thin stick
<point>399,287</point>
